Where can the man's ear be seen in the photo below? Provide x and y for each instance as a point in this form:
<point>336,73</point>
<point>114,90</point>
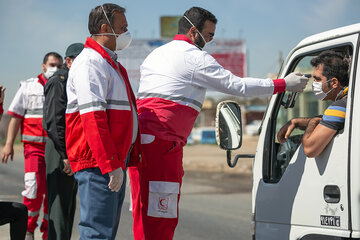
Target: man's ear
<point>43,67</point>
<point>192,34</point>
<point>105,28</point>
<point>335,83</point>
<point>68,61</point>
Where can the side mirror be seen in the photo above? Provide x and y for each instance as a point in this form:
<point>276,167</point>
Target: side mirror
<point>228,125</point>
<point>229,130</point>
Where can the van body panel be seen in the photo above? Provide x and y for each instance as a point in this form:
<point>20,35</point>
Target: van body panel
<point>334,33</point>
<point>355,235</point>
<point>274,231</point>
<point>355,151</point>
<point>294,206</point>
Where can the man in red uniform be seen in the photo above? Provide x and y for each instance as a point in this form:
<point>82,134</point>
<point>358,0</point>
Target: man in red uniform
<point>26,111</point>
<point>173,83</point>
<point>101,123</point>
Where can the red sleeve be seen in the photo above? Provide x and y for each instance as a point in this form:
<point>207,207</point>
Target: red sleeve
<point>97,133</point>
<point>1,109</point>
<point>279,85</point>
<point>14,114</point>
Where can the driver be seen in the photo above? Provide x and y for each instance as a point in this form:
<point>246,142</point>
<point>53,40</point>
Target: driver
<point>331,80</point>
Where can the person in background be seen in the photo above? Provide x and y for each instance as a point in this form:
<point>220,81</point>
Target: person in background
<point>174,79</point>
<point>12,212</point>
<point>61,184</point>
<point>101,123</point>
<point>26,111</point>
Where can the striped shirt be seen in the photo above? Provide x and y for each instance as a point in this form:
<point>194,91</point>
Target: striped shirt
<point>334,115</point>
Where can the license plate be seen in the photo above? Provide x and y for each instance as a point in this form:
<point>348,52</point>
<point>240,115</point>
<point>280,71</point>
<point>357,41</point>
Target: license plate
<point>330,220</point>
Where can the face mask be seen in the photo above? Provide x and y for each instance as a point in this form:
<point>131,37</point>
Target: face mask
<point>317,89</point>
<point>209,45</point>
<point>123,40</point>
<point>200,44</point>
<point>50,71</point>
<point>212,43</point>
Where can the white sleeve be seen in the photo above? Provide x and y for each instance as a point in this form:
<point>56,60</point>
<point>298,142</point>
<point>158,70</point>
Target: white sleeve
<point>210,74</point>
<point>17,107</point>
<point>91,86</point>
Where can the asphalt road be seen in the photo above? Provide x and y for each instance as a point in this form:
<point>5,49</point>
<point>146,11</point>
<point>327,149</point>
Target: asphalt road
<point>213,205</point>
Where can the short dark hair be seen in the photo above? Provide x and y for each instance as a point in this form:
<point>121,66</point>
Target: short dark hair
<point>334,66</point>
<point>97,17</point>
<point>54,54</point>
<point>198,17</point>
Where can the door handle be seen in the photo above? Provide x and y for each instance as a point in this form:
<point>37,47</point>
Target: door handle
<point>331,194</point>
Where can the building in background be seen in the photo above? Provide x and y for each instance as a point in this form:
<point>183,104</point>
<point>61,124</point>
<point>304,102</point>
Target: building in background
<point>230,53</point>
<point>169,26</point>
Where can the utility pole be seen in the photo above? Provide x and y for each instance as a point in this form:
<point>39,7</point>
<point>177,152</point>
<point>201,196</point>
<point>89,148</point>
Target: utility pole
<point>281,59</point>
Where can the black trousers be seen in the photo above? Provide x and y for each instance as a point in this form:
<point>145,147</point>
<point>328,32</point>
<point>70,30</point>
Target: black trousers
<point>16,214</point>
<point>62,190</point>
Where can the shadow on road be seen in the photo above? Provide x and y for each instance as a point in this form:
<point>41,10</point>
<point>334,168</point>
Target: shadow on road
<point>219,183</point>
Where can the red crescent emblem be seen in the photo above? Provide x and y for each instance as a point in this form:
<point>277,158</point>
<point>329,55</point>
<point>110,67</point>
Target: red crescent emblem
<point>163,203</point>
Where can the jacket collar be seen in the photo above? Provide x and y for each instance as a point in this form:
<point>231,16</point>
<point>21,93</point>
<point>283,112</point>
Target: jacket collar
<point>91,43</point>
<point>182,37</point>
<point>41,79</point>
<point>342,93</point>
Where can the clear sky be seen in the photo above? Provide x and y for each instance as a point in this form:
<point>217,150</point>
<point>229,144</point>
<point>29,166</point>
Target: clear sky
<point>31,28</point>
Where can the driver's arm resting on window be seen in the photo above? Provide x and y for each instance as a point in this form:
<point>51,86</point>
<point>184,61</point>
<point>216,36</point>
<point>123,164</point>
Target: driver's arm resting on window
<point>317,137</point>
<point>287,129</point>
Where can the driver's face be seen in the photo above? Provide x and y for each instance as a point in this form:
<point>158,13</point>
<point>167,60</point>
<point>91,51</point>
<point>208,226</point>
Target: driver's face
<point>318,74</point>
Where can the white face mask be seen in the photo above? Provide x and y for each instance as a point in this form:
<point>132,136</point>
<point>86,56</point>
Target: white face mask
<point>209,45</point>
<point>50,72</point>
<point>123,40</point>
<point>317,89</point>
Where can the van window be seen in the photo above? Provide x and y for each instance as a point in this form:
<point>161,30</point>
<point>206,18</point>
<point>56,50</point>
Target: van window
<point>277,156</point>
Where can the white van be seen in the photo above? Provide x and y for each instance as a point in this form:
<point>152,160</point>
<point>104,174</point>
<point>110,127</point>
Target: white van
<point>295,197</point>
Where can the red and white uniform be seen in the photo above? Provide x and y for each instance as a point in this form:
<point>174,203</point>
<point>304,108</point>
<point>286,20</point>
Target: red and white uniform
<point>173,83</point>
<point>28,106</point>
<point>1,109</point>
<point>99,114</point>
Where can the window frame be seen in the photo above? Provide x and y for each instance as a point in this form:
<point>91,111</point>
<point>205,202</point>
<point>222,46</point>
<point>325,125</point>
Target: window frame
<point>269,151</point>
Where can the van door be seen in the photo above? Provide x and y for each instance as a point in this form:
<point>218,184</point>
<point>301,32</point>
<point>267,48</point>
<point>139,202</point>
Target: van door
<point>295,197</point>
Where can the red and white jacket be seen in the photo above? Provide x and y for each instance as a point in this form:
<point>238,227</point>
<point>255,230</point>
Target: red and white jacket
<point>99,114</point>
<point>28,105</point>
<point>174,79</point>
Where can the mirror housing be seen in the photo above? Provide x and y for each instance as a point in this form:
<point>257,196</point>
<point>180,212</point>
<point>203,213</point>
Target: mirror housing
<point>229,130</point>
<point>228,125</point>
